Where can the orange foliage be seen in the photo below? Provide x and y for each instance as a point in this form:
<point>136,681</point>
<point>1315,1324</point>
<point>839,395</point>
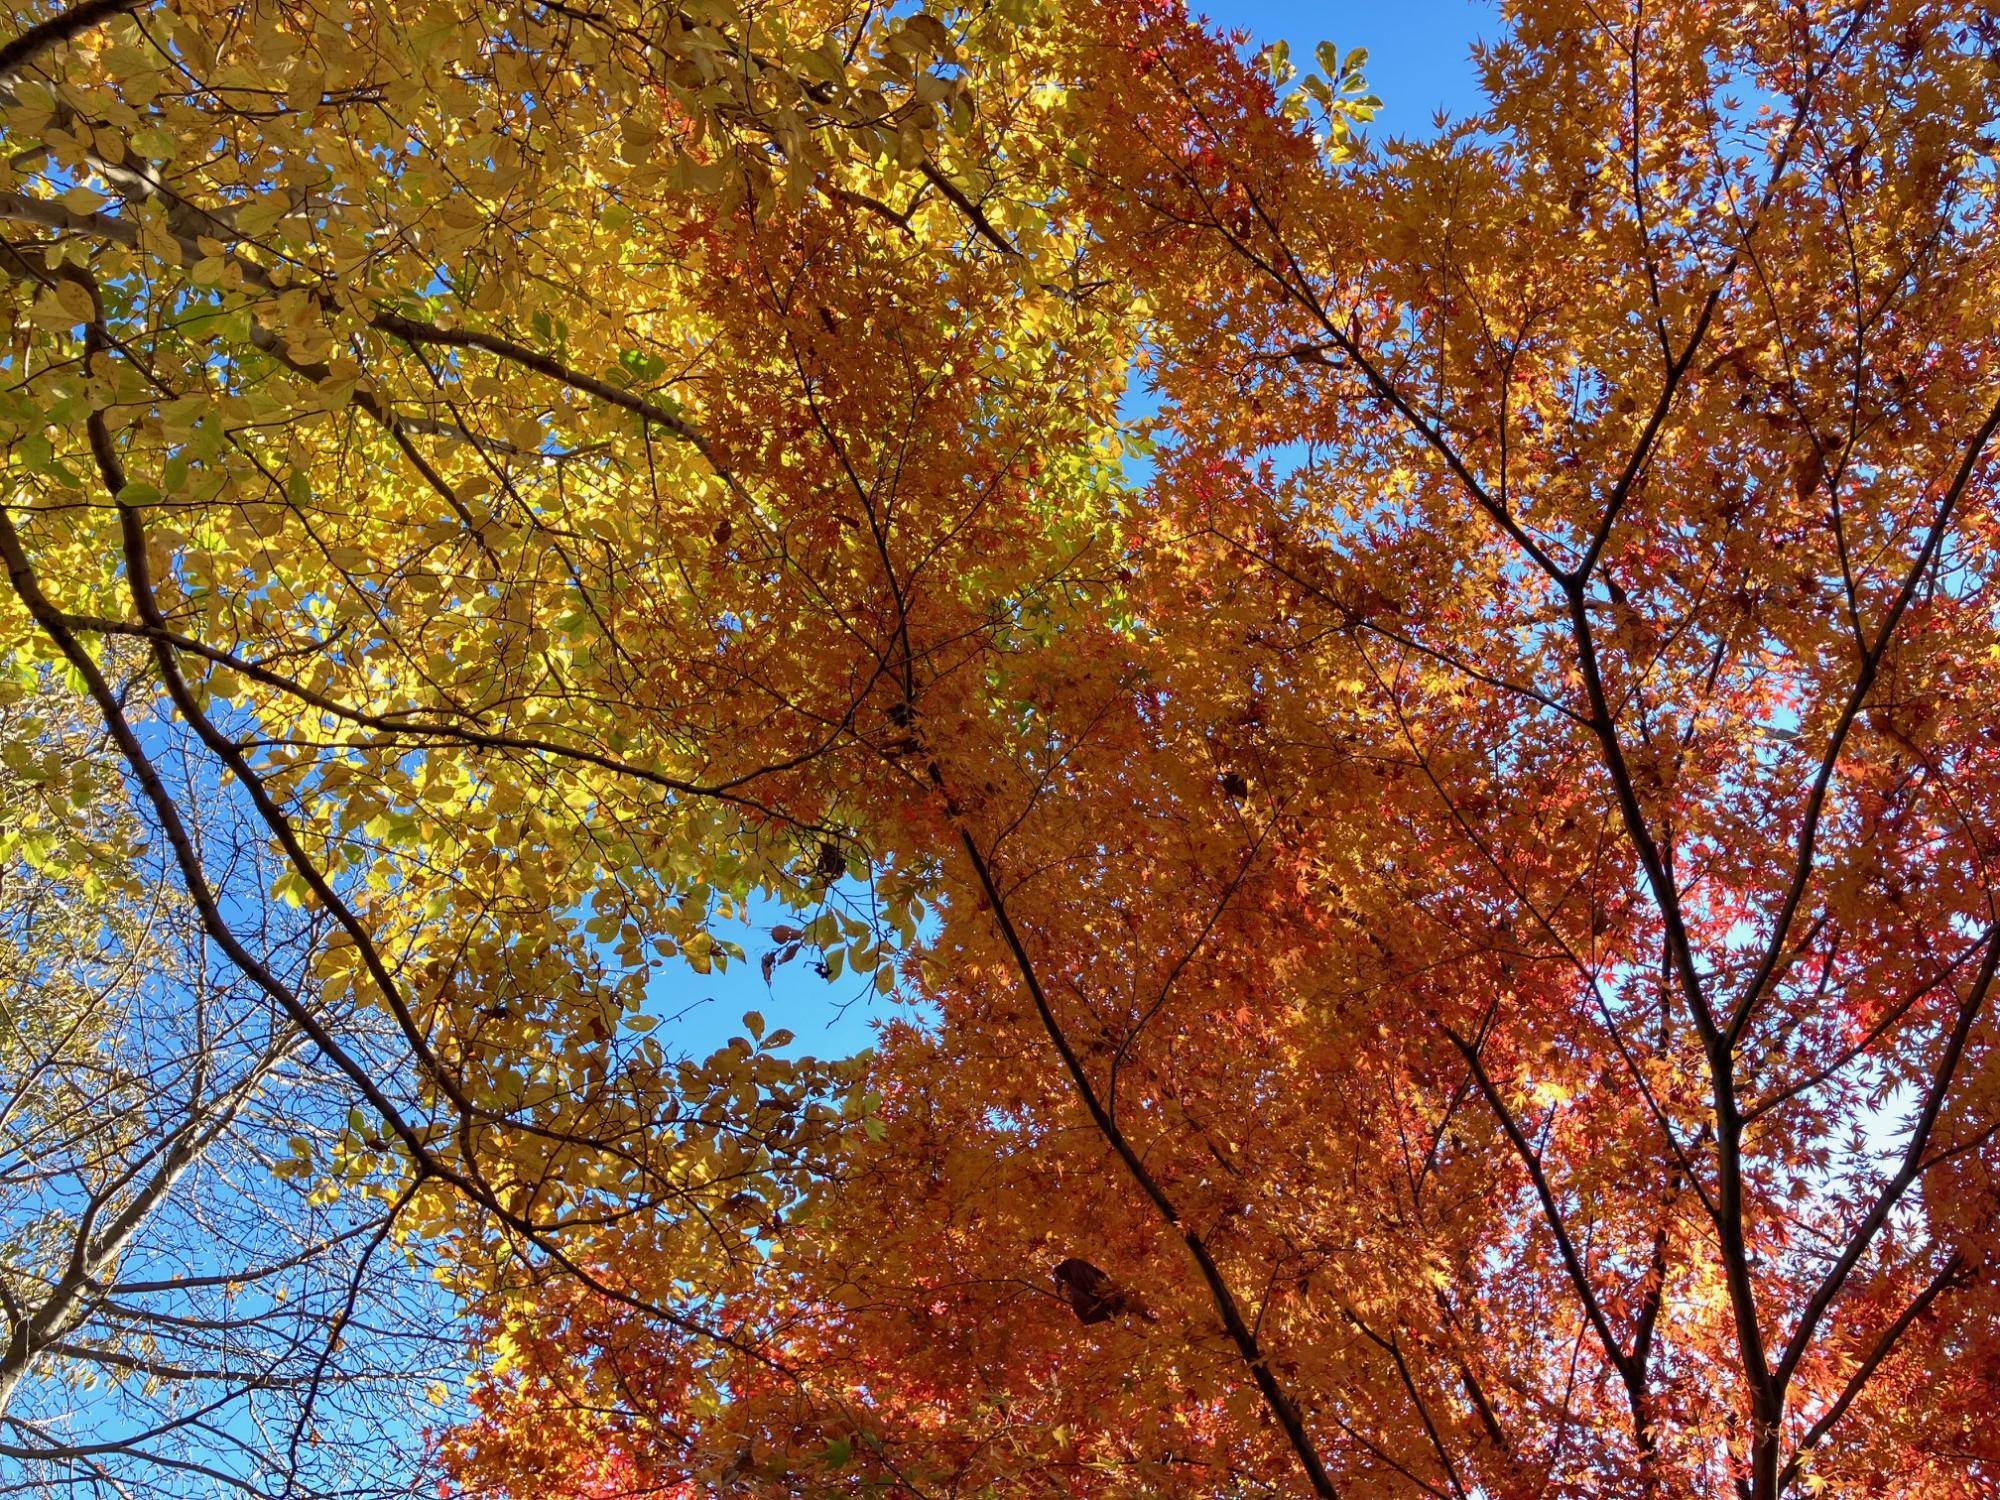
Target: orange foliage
<point>1483,920</point>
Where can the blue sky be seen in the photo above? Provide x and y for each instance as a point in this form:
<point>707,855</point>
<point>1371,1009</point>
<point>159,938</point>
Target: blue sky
<point>1418,63</point>
<point>701,1012</point>
<point>1417,49</point>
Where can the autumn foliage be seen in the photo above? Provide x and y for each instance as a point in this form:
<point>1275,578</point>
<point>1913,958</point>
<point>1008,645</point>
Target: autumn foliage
<point>1441,863</point>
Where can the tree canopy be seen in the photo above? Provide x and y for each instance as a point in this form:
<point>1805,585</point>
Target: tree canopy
<point>1411,727</point>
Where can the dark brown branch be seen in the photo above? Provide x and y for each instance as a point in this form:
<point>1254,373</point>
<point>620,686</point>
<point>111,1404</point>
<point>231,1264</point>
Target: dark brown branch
<point>1864,682</point>
<point>1276,1399</point>
<point>1552,1212</point>
<point>976,215</point>
<point>61,27</point>
<point>1912,1167</point>
<point>1949,1275</point>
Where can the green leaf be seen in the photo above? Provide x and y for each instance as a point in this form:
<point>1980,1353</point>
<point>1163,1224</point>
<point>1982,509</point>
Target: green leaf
<point>154,143</point>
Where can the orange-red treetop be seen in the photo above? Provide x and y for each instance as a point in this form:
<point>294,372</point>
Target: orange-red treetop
<point>1647,465</point>
<point>1481,913</point>
<point>1465,902</point>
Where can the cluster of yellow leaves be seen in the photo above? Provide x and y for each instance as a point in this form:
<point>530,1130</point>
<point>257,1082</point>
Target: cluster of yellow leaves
<point>506,447</point>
